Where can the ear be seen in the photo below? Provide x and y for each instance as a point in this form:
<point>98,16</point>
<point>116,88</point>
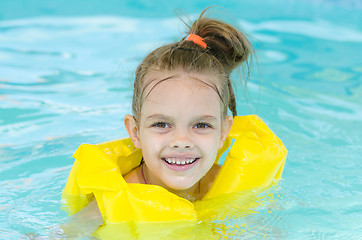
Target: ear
<point>225,129</point>
<point>132,129</point>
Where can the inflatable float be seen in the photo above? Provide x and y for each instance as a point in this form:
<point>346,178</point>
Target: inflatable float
<point>255,159</point>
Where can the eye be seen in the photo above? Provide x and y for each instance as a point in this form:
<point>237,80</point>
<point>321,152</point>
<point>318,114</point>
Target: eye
<point>161,125</point>
<point>202,125</point>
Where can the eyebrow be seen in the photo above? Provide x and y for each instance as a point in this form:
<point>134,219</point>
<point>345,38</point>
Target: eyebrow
<point>165,117</point>
<point>158,116</point>
<point>209,117</point>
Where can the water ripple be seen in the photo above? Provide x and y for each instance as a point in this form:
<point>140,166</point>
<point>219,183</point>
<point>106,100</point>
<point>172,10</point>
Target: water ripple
<point>318,29</point>
<point>59,88</point>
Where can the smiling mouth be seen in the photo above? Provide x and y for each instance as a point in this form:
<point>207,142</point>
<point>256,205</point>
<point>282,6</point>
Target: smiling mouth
<point>180,162</point>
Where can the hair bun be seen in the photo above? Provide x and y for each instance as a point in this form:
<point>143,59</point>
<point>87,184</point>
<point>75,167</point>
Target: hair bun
<point>229,45</point>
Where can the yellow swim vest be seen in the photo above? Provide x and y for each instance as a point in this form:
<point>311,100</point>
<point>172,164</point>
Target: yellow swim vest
<point>255,159</point>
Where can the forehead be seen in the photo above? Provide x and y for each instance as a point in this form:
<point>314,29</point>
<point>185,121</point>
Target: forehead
<point>157,77</point>
<point>178,92</point>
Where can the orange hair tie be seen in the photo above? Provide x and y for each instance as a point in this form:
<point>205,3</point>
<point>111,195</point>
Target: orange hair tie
<point>197,40</point>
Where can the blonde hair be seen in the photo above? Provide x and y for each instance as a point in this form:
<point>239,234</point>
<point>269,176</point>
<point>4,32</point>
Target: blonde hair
<point>227,48</point>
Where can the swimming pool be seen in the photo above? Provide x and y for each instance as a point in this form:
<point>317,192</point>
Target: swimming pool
<point>66,76</point>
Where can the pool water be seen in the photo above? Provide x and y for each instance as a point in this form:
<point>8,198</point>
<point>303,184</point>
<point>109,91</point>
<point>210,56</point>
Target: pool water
<point>66,78</point>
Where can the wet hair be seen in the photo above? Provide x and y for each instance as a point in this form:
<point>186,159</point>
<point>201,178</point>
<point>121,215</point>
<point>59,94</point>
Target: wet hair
<point>227,49</point>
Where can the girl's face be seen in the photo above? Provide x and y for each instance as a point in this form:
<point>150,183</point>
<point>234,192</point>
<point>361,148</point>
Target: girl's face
<point>180,128</point>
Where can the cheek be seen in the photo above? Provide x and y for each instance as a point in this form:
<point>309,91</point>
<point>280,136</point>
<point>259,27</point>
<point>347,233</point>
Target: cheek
<point>152,142</point>
<point>210,145</point>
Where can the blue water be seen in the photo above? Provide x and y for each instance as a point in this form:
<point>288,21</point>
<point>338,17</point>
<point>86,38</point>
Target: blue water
<point>66,72</point>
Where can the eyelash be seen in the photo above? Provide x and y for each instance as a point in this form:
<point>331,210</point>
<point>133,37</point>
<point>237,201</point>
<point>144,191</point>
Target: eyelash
<point>197,125</point>
<point>157,124</point>
<point>204,124</point>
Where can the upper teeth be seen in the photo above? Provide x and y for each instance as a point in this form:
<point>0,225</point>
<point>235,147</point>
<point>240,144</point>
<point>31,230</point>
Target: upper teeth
<point>178,161</point>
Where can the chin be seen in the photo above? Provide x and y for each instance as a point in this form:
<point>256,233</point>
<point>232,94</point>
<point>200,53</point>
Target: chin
<point>181,187</point>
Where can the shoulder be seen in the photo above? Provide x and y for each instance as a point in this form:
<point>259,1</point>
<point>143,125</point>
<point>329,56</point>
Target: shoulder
<point>134,176</point>
<point>209,178</point>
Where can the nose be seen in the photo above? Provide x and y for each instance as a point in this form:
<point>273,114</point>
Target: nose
<point>181,139</point>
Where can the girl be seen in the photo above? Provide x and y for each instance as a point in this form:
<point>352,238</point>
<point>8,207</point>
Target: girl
<point>182,93</point>
<point>182,96</point>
